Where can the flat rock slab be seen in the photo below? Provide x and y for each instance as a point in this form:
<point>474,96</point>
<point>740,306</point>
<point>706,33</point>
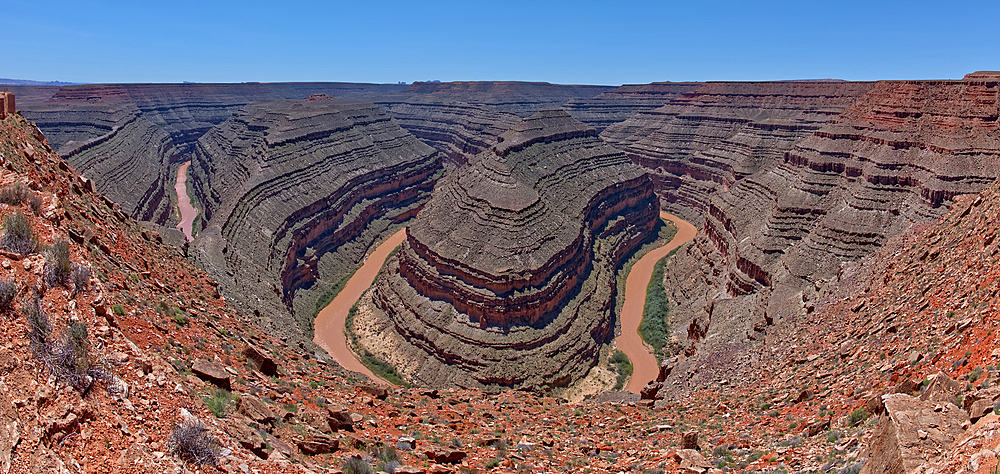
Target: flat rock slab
<point>910,431</point>
<point>212,372</point>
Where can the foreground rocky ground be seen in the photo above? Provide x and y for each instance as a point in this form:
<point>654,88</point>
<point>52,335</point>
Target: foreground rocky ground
<point>161,349</point>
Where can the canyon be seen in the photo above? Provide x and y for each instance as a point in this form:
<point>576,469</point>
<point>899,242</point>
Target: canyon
<point>843,268</point>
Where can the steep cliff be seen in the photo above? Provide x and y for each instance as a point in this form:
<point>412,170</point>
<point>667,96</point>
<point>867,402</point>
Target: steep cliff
<point>294,192</point>
<point>507,277</point>
<point>705,140</point>
<point>774,241</point>
<point>623,102</point>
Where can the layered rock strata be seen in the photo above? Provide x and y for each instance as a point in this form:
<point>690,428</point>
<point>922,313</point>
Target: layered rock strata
<point>520,98</point>
<point>460,130</point>
<point>140,133</point>
<point>707,139</point>
<point>623,102</point>
<point>294,193</point>
<point>778,238</point>
<point>508,276</point>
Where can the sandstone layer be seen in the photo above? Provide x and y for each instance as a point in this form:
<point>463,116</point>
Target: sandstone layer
<point>507,277</point>
<point>295,192</point>
<point>776,239</point>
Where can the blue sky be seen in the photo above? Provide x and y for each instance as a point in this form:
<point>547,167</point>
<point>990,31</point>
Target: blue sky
<point>579,42</point>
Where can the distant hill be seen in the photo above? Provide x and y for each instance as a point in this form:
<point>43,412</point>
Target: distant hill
<point>25,82</point>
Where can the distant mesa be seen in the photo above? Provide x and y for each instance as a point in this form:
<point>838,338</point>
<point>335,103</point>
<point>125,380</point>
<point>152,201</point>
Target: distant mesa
<point>507,277</point>
<point>982,76</point>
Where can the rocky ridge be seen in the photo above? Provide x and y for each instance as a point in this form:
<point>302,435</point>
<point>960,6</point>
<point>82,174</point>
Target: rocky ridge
<point>507,277</point>
<point>295,192</point>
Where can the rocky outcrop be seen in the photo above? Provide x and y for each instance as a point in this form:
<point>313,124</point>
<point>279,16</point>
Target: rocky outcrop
<point>910,432</point>
<point>707,139</point>
<point>294,193</point>
<point>507,277</point>
<point>776,239</point>
<point>623,102</point>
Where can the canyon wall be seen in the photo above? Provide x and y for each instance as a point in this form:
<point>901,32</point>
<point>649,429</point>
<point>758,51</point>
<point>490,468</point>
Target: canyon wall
<point>623,102</point>
<point>772,242</point>
<point>508,275</point>
<point>705,140</point>
<point>295,192</point>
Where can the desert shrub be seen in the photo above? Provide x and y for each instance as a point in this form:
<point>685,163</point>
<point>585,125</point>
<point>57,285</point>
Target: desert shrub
<point>219,401</point>
<point>18,237</point>
<point>386,456</point>
<point>80,278</point>
<point>72,357</point>
<point>975,374</point>
<point>390,467</point>
<point>190,440</point>
<point>58,267</point>
<point>35,203</point>
<point>853,468</point>
<point>38,327</point>
<point>857,416</point>
<point>14,194</point>
<point>355,465</point>
<point>118,309</point>
<point>8,290</point>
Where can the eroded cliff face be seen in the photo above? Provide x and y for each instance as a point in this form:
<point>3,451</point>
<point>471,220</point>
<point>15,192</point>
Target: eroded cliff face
<point>460,130</point>
<point>139,133</point>
<point>623,102</point>
<point>507,277</point>
<point>520,98</point>
<point>705,140</point>
<point>774,240</point>
<point>296,191</point>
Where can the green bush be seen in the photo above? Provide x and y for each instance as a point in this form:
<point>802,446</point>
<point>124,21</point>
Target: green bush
<point>219,401</point>
<point>18,237</point>
<point>623,366</point>
<point>857,416</point>
<point>118,309</point>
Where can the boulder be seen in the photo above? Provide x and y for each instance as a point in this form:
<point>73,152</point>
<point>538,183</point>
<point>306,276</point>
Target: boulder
<point>818,427</point>
<point>650,390</point>
<point>339,418</point>
<point>979,409</point>
<point>691,461</point>
<point>910,431</point>
<point>689,440</point>
<point>251,407</point>
<point>212,372</point>
<point>942,388</point>
<point>319,444</point>
<point>376,391</point>
<point>247,437</point>
<point>407,469</point>
<point>445,455</point>
<point>260,360</point>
